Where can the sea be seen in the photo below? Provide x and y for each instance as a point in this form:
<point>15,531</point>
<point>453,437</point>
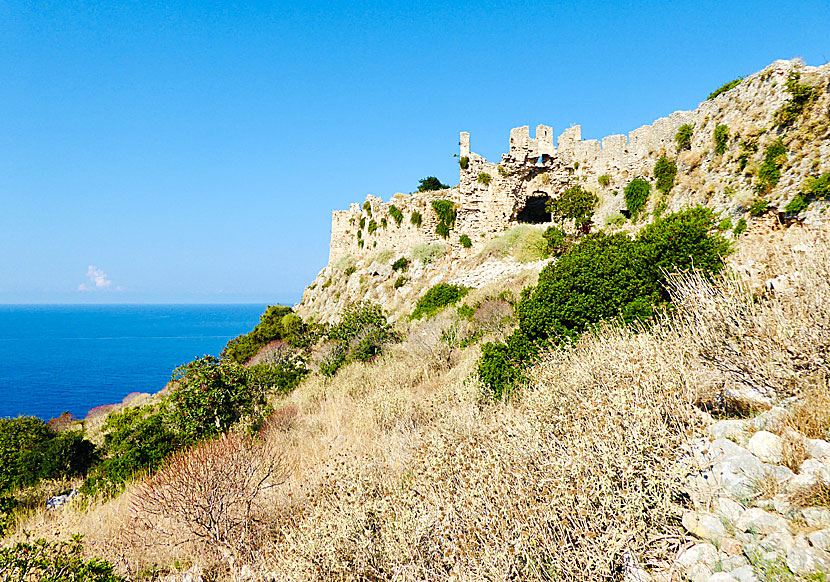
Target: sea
<point>71,358</point>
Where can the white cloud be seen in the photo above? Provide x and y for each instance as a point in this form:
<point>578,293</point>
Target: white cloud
<point>97,280</point>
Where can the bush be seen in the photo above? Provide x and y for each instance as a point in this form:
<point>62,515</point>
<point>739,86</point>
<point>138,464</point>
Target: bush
<point>740,227</point>
<point>615,219</point>
<point>464,162</point>
<point>362,224</point>
<point>725,88</point>
<point>770,171</point>
<point>819,187</point>
<point>683,137</point>
<point>367,206</point>
<point>523,242</point>
<point>401,264</point>
<point>604,180</point>
<point>400,282</point>
<point>758,207</point>
<point>430,183</point>
<point>373,226</point>
<point>665,171</point>
<point>556,241</point>
<point>484,178</point>
<point>360,335</point>
<point>445,209</point>
<point>30,452</point>
<point>465,241</point>
<point>278,322</point>
<point>796,205</point>
<point>349,271</point>
<point>501,366</point>
<point>427,253</point>
<point>416,219</point>
<point>53,562</point>
<point>436,299</point>
<point>396,214</point>
<point>725,224</point>
<point>574,203</point>
<point>801,96</point>
<point>721,139</point>
<point>636,196</point>
<point>211,396</point>
<point>616,277</point>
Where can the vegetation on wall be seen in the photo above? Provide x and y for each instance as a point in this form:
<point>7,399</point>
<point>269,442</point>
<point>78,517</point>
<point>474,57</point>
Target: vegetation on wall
<point>367,206</point>
<point>464,162</point>
<point>683,137</point>
<point>465,241</point>
<point>484,178</point>
<point>724,88</point>
<point>437,298</point>
<point>396,214</point>
<point>575,204</point>
<point>664,172</point>
<point>801,96</point>
<point>445,209</point>
<point>430,183</point>
<point>416,218</point>
<point>636,196</point>
<point>770,171</point>
<point>604,180</point>
<point>721,139</point>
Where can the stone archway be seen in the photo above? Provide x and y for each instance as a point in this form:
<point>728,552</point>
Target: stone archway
<point>534,210</point>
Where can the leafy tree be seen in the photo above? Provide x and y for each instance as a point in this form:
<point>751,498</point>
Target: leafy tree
<point>574,203</point>
<point>556,241</point>
<point>430,183</point>
<point>278,322</point>
<point>445,209</point>
<point>636,196</point>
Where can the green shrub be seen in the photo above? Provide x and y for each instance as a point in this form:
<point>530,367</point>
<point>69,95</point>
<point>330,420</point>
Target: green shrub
<point>770,171</point>
<point>359,235</point>
<point>665,171</point>
<point>615,219</point>
<point>416,219</point>
<point>427,253</point>
<point>484,178</point>
<point>30,451</point>
<point>801,96</point>
<point>436,299</point>
<point>367,206</point>
<point>360,335</point>
<point>604,180</point>
<point>383,223</point>
<point>501,365</point>
<point>362,224</point>
<point>350,271</point>
<point>818,188</point>
<point>445,209</point>
<point>53,562</point>
<point>725,88</point>
<point>725,224</point>
<point>556,241</point>
<point>396,214</point>
<point>721,139</point>
<point>430,183</point>
<point>748,147</point>
<point>636,196</point>
<point>400,282</point>
<point>360,243</point>
<point>574,203</point>
<point>614,276</point>
<point>683,137</point>
<point>465,241</point>
<point>273,325</point>
<point>797,205</point>
<point>401,264</point>
<point>373,226</point>
<point>739,227</point>
<point>279,378</point>
<point>758,207</point>
<point>464,162</point>
<point>211,396</point>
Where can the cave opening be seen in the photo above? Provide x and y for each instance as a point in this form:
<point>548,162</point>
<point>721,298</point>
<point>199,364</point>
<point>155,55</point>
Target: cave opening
<point>535,211</point>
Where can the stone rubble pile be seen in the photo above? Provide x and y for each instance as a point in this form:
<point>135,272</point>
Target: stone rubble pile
<point>746,523</point>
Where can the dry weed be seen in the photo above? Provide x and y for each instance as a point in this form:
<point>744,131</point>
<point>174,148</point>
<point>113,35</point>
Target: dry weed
<point>811,412</point>
<point>816,495</point>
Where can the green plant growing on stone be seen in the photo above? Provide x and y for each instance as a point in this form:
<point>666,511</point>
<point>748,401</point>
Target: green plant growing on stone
<point>484,178</point>
<point>725,224</point>
<point>740,227</point>
<point>664,171</point>
<point>721,139</point>
<point>401,264</point>
<point>396,214</point>
<point>445,209</point>
<point>770,171</point>
<point>574,204</point>
<point>349,271</point>
<point>416,219</point>
<point>615,219</point>
<point>464,162</point>
<point>427,253</point>
<point>383,223</point>
<point>465,241</point>
<point>636,196</point>
<point>362,223</point>
<point>399,282</point>
<point>683,137</point>
<point>604,180</point>
<point>373,226</point>
<point>724,88</point>
<point>436,299</point>
<point>758,207</point>
<point>801,97</point>
<point>748,148</point>
<point>367,206</point>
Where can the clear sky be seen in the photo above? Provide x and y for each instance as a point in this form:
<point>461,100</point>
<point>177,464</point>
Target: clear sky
<point>193,151</point>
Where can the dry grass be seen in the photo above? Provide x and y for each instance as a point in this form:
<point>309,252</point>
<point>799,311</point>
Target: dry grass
<point>816,495</point>
<point>524,243</point>
<point>811,412</point>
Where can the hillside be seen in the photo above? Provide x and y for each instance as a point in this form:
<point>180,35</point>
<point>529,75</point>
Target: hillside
<point>543,373</point>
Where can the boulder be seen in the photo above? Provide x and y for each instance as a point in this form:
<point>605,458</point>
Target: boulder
<point>703,525</point>
<point>775,419</point>
<point>731,429</point>
<point>820,539</point>
<point>817,448</point>
<point>803,561</point>
<point>699,554</point>
<point>762,522</point>
<point>818,517</point>
<point>766,446</point>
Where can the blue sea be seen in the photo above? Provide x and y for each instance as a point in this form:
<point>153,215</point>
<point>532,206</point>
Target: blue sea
<point>59,358</point>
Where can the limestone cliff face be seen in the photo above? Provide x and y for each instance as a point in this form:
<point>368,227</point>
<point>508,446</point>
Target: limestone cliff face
<point>493,197</point>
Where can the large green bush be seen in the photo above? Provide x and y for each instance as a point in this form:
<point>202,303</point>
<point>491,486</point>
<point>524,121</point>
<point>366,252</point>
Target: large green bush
<point>30,451</point>
<point>501,366</point>
<point>277,323</point>
<point>53,562</point>
<point>636,196</point>
<point>360,335</point>
<point>396,214</point>
<point>445,209</point>
<point>430,183</point>
<point>575,204</point>
<point>437,298</point>
<point>664,172</point>
<point>683,137</point>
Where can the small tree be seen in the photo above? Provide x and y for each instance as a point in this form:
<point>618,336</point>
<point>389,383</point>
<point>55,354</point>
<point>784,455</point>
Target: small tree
<point>636,196</point>
<point>430,183</point>
<point>665,171</point>
<point>574,203</point>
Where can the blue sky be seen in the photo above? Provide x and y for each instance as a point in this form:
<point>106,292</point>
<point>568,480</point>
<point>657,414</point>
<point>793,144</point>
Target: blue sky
<point>193,152</point>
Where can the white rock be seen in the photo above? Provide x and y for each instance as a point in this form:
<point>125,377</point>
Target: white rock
<point>721,577</point>
<point>731,429</point>
<point>815,467</point>
<point>818,517</point>
<point>705,554</point>
<point>732,547</point>
<point>762,522</point>
<point>732,562</point>
<point>735,468</point>
<point>818,448</point>
<point>774,419</point>
<point>766,446</point>
<point>807,561</point>
<point>729,509</point>
<point>820,539</point>
<point>778,543</point>
<point>703,525</point>
<point>779,472</point>
<point>744,574</point>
